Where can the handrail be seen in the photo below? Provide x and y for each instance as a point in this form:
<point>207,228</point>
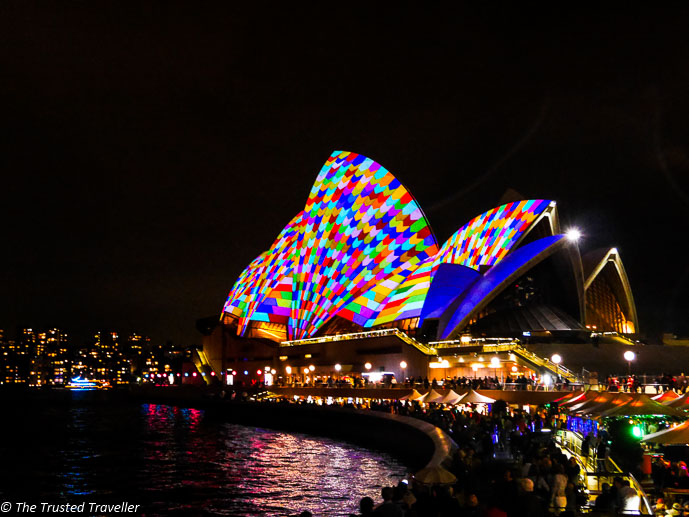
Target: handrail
<point>489,345</point>
<point>566,441</point>
<point>428,350</point>
<point>453,343</point>
<point>547,363</point>
<point>522,351</point>
<point>644,498</point>
<point>497,345</point>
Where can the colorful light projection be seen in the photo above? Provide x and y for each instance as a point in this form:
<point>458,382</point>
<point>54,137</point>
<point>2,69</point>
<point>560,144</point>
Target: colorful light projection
<point>263,290</point>
<point>362,249</point>
<point>483,241</point>
<point>360,226</point>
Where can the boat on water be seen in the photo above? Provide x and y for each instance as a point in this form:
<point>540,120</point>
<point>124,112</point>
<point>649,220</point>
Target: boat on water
<point>80,384</point>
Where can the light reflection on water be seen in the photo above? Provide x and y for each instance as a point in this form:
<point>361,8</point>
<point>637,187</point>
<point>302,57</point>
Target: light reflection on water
<point>177,461</point>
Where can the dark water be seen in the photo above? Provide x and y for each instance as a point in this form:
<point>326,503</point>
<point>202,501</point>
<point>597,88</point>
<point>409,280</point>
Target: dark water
<point>174,461</point>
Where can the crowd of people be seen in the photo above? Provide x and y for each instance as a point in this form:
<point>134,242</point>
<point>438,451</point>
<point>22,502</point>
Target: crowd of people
<point>534,479</point>
<point>634,384</point>
<point>518,382</point>
<point>613,383</point>
<point>506,465</point>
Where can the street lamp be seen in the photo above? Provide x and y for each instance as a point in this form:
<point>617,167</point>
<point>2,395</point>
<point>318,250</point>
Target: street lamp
<point>403,365</point>
<point>338,367</point>
<point>556,359</point>
<point>629,356</point>
<point>495,364</point>
<point>573,234</point>
<point>367,366</point>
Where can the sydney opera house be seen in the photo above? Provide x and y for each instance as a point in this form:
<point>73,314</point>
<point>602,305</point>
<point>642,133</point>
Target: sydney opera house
<point>357,283</point>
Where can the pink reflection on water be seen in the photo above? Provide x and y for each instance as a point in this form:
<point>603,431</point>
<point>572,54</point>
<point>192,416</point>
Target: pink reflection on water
<point>237,470</point>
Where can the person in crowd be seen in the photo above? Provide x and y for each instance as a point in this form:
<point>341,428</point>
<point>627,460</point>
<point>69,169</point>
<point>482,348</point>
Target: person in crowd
<point>602,455</point>
<point>403,497</point>
<point>659,507</point>
<point>586,445</point>
<point>627,499</point>
<point>366,505</point>
<point>541,486</point>
<point>558,498</point>
<point>506,492</point>
<point>388,508</point>
<point>605,502</point>
<point>572,469</point>
<point>528,504</point>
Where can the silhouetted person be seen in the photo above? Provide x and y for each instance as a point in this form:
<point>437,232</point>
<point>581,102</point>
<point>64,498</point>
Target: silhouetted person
<point>528,504</point>
<point>366,507</point>
<point>388,508</point>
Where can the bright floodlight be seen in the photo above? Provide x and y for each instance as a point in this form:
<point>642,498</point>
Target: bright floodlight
<point>573,234</point>
<point>495,362</point>
<point>338,367</point>
<point>288,370</point>
<point>629,355</point>
<point>403,365</point>
<point>312,367</point>
<point>556,359</point>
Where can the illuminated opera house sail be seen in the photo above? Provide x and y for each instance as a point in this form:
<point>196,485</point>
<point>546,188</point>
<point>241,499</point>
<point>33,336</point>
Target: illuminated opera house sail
<point>361,257</point>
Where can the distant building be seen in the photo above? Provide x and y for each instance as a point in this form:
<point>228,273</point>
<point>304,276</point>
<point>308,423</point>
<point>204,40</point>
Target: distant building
<point>35,358</point>
<point>47,358</point>
<point>55,362</point>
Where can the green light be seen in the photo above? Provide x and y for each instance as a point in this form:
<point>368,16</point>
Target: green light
<point>637,432</point>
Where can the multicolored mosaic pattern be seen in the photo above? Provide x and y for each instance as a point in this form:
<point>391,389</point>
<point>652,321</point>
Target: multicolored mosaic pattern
<point>363,250</point>
<point>483,241</point>
<point>360,226</point>
<point>263,283</point>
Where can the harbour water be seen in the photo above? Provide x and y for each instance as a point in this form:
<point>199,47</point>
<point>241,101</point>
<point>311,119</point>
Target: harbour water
<point>176,461</point>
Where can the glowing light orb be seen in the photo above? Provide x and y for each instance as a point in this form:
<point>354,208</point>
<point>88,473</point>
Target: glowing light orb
<point>573,234</point>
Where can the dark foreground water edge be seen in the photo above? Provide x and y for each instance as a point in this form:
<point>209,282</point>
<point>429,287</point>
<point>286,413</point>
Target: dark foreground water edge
<point>179,461</point>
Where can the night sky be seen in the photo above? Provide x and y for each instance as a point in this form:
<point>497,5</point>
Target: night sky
<point>149,153</point>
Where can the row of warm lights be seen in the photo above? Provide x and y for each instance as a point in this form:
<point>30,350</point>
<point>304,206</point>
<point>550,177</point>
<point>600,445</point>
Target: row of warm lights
<point>338,368</point>
<point>494,363</point>
<point>628,356</point>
